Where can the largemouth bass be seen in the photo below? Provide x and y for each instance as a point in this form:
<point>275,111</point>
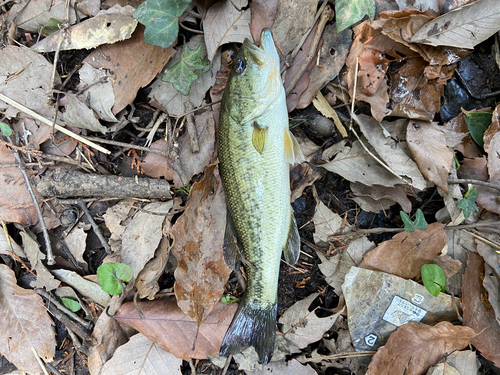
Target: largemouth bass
<point>255,150</point>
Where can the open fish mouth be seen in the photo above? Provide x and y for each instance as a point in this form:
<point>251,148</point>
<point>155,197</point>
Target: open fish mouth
<point>266,51</point>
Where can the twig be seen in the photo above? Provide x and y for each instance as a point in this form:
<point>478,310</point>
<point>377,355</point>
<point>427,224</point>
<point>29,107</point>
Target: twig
<point>197,109</point>
<point>354,117</point>
<point>193,367</point>
<point>48,163</point>
<point>484,239</point>
<point>49,123</point>
<point>22,167</point>
<point>341,355</point>
<point>190,29</point>
<point>300,321</point>
<point>191,128</point>
<point>474,182</point>
<point>292,266</point>
<point>40,362</point>
<point>326,16</point>
<point>162,118</point>
<point>95,227</point>
<point>127,145</point>
<point>226,366</point>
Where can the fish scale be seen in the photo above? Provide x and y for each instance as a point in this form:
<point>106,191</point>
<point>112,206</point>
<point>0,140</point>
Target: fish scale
<point>252,135</point>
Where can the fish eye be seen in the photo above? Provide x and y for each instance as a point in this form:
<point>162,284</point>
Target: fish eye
<point>239,65</point>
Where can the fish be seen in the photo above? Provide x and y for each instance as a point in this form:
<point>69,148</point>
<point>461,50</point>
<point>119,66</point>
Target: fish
<point>256,149</point>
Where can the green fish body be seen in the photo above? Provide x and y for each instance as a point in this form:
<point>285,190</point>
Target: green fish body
<point>255,150</point>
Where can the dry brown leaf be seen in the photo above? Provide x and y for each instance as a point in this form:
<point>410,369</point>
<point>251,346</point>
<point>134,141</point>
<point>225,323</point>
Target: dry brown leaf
<point>115,219</point>
<point>199,235</point>
<point>25,325</point>
<point>90,33</point>
<point>465,27</point>
<point>406,253</point>
<point>143,234</point>
<point>302,176</point>
<point>449,265</point>
<point>467,147</point>
<point>332,56</point>
<point>74,241</point>
<point>263,15</point>
<point>165,324</point>
<point>16,205</point>
<point>38,133</point>
<point>156,165</point>
<point>394,195</point>
<point>287,29</point>
<point>303,327</point>
<point>44,279</point>
<point>30,15</point>
<point>477,315</point>
<point>25,77</point>
<point>492,147</point>
<point>141,356</point>
<point>9,246</point>
<point>134,64</point>
<point>491,283</point>
<point>78,115</point>
<point>88,288</point>
<point>326,222</point>
<point>428,148</point>
<point>415,347</point>
<point>226,22</point>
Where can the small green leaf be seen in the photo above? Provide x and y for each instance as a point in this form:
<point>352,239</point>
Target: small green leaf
<point>419,222</point>
<point>71,304</point>
<point>348,12</point>
<point>433,278</point>
<point>468,203</point>
<point>50,27</point>
<point>181,75</point>
<point>5,129</point>
<point>161,18</point>
<point>108,282</point>
<point>192,58</point>
<point>477,123</point>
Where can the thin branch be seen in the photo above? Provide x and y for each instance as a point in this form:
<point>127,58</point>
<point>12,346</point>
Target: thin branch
<point>326,16</point>
<point>474,182</point>
<point>49,123</point>
<point>127,145</point>
<point>95,227</point>
<point>22,167</point>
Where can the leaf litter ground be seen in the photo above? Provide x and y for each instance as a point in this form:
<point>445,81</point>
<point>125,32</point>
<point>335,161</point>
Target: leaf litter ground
<point>348,217</point>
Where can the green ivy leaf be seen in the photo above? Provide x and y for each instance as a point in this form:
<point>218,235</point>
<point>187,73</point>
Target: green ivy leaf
<point>5,129</point>
<point>348,12</point>
<point>108,282</point>
<point>433,278</point>
<point>419,222</point>
<point>71,304</point>
<point>477,123</point>
<point>181,74</point>
<point>468,203</point>
<point>161,18</point>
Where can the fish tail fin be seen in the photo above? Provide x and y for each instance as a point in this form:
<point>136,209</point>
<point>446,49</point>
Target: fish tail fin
<point>252,325</point>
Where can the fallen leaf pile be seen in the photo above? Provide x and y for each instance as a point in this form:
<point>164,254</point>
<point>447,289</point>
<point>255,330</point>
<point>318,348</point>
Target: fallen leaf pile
<point>108,154</point>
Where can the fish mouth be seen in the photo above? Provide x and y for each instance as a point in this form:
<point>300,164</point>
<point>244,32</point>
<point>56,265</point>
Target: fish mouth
<point>266,50</point>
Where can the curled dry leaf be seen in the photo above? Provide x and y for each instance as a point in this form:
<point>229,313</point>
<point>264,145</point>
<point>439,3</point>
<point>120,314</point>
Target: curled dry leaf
<point>199,234</point>
<point>141,356</point>
<point>428,147</point>
<point>94,31</point>
<point>263,15</point>
<point>415,347</point>
<point>465,27</point>
<point>25,325</point>
<point>226,22</point>
<point>165,324</point>
<point>143,234</point>
<point>477,314</point>
<point>406,253</point>
<point>302,326</point>
<point>377,197</point>
<point>134,64</point>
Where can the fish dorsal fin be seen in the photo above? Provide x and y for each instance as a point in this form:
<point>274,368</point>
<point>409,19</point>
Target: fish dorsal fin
<point>291,249</point>
<point>259,137</point>
<point>292,149</point>
<point>232,254</point>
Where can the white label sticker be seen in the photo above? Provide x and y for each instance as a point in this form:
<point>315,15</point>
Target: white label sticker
<point>402,311</point>
<point>371,339</point>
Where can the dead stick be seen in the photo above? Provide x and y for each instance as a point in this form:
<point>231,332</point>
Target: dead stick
<point>474,182</point>
<point>95,227</point>
<point>326,16</point>
<point>127,145</point>
<point>22,167</point>
<point>191,128</point>
<point>42,119</point>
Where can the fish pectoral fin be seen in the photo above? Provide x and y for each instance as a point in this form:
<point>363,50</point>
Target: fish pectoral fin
<point>259,137</point>
<point>292,149</point>
<point>232,253</point>
<point>291,249</point>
